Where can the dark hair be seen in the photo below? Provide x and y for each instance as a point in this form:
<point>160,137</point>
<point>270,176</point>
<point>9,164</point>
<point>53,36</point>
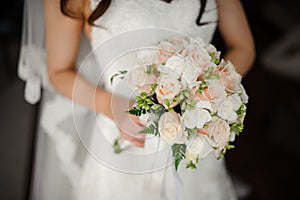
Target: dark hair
<point>104,5</point>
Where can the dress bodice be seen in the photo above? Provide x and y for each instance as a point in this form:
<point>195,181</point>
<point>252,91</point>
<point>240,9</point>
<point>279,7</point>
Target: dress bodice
<point>179,15</point>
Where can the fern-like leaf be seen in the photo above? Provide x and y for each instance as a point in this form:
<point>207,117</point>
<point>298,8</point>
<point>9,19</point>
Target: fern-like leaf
<point>151,130</point>
<point>178,153</point>
<point>135,111</point>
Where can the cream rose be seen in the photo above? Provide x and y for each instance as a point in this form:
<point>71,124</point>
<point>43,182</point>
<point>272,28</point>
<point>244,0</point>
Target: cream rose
<point>170,128</point>
<point>139,78</point>
<point>197,56</point>
<point>219,133</point>
<point>167,88</point>
<point>215,92</point>
<point>170,47</point>
<point>229,77</point>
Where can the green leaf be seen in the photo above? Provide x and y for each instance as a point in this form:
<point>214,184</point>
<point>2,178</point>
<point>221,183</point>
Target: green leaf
<point>241,111</point>
<point>150,69</point>
<point>236,128</point>
<point>117,148</point>
<point>121,72</point>
<point>191,165</point>
<point>178,153</point>
<point>152,129</point>
<point>167,102</point>
<point>136,111</point>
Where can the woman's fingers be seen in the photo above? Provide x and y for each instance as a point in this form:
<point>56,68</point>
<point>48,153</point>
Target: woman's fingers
<point>137,141</point>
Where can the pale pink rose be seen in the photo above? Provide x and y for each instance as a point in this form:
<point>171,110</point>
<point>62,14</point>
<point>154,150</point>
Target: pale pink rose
<point>214,92</point>
<point>197,56</point>
<point>169,47</point>
<point>147,87</point>
<point>170,128</point>
<point>167,88</point>
<point>229,76</point>
<point>218,133</point>
<point>140,79</point>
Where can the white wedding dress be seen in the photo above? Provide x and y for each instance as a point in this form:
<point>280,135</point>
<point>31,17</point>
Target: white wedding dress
<point>85,169</point>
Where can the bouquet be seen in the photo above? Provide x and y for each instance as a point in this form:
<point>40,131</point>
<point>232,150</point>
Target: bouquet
<point>192,100</point>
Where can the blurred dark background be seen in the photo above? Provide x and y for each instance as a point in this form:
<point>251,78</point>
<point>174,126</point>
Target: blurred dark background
<point>265,162</point>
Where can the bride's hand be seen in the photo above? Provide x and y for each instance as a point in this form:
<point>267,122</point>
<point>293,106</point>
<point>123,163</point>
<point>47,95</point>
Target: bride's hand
<point>129,125</point>
<point>130,128</point>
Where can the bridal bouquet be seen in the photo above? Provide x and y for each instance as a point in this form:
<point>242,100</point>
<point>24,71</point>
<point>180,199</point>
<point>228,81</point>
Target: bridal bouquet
<point>191,99</point>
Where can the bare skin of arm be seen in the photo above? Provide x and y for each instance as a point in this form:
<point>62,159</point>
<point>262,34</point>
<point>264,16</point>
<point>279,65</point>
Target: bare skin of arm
<point>234,28</point>
<point>62,44</point>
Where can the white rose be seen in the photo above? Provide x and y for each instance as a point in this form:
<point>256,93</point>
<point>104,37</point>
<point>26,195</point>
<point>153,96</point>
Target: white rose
<point>218,132</point>
<point>227,109</point>
<point>167,88</point>
<point>197,56</point>
<point>174,66</point>
<point>197,117</point>
<point>147,56</point>
<point>137,76</point>
<point>170,128</point>
<point>235,99</point>
<point>197,147</point>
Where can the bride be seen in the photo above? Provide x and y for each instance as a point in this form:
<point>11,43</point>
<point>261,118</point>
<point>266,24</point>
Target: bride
<point>71,167</point>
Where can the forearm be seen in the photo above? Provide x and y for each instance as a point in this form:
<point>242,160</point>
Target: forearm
<point>73,86</point>
<point>242,58</point>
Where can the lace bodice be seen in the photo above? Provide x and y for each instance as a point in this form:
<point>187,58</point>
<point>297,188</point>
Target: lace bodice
<point>179,15</point>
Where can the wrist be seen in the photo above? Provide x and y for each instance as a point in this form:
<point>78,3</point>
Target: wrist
<point>103,102</point>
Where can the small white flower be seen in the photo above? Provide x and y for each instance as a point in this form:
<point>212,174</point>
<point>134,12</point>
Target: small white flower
<point>174,66</point>
<point>170,128</point>
<point>196,118</point>
<point>244,95</point>
<point>227,109</point>
<point>232,136</point>
<point>189,76</point>
<point>197,147</point>
<point>204,104</point>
